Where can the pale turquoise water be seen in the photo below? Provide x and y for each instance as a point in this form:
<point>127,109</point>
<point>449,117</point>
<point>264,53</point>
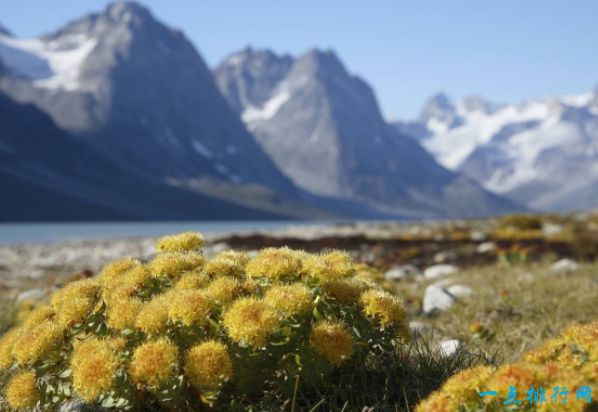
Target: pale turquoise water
<point>48,232</point>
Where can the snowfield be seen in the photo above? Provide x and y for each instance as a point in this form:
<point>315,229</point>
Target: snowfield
<point>50,64</point>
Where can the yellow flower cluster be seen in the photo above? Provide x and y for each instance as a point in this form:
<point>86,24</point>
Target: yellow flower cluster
<point>181,321</point>
<point>21,392</point>
<point>38,315</point>
<point>223,289</point>
<point>7,343</point>
<point>250,320</point>
<point>275,264</point>
<point>290,300</point>
<point>227,263</point>
<point>344,291</point>
<point>330,266</point>
<point>123,315</point>
<point>174,264</point>
<point>190,307</point>
<point>183,242</point>
<point>570,360</point>
<point>388,309</point>
<point>332,340</point>
<point>154,363</point>
<point>34,343</point>
<point>192,280</point>
<point>94,364</point>
<point>153,315</point>
<point>116,268</point>
<point>74,302</point>
<point>208,365</point>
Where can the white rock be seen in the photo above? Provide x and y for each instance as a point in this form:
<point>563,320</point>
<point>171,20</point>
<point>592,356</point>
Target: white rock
<point>486,247</point>
<point>449,347</point>
<point>551,229</point>
<point>401,272</point>
<point>564,265</point>
<point>32,294</point>
<point>525,277</point>
<point>444,256</point>
<point>477,236</point>
<point>460,291</point>
<point>437,271</point>
<point>437,298</point>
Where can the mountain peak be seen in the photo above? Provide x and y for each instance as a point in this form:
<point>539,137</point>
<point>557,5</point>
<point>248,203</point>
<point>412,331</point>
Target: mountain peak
<point>441,99</point>
<point>322,63</point>
<point>123,14</point>
<point>439,107</point>
<point>326,58</point>
<point>253,57</point>
<point>248,78</point>
<point>475,103</point>
<point>124,10</point>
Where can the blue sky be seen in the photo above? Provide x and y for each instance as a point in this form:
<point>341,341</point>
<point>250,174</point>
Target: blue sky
<point>505,50</point>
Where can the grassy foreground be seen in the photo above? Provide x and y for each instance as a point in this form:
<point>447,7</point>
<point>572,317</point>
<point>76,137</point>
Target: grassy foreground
<point>516,305</point>
<point>513,308</point>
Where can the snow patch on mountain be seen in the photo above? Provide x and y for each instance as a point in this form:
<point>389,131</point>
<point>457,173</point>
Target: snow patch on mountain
<point>268,109</point>
<point>201,149</point>
<point>49,64</point>
<point>542,152</point>
<point>477,127</point>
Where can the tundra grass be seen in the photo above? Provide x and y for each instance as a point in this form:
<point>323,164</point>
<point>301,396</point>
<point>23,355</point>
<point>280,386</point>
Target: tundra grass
<point>513,308</point>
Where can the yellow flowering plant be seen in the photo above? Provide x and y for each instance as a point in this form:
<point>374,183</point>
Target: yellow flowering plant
<point>181,332</point>
<point>569,361</point>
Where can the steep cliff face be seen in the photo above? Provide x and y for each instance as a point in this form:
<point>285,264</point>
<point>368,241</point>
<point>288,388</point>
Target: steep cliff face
<point>323,128</point>
<point>48,175</point>
<point>138,90</point>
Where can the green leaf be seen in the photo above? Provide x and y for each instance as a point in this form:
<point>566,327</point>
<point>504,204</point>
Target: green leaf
<point>66,373</point>
<point>109,402</point>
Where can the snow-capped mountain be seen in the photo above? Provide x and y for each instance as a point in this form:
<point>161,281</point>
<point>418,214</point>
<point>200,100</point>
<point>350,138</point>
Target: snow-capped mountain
<point>542,153</point>
<point>138,93</point>
<point>135,97</point>
<point>138,90</point>
<point>323,128</point>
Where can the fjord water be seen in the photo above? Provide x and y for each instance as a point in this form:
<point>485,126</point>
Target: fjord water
<point>14,233</point>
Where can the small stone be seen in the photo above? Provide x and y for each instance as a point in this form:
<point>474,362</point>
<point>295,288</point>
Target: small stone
<point>551,229</point>
<point>437,271</point>
<point>445,256</point>
<point>437,298</point>
<point>460,291</point>
<point>478,236</point>
<point>77,405</point>
<point>486,247</point>
<point>401,272</point>
<point>449,347</point>
<point>564,265</point>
